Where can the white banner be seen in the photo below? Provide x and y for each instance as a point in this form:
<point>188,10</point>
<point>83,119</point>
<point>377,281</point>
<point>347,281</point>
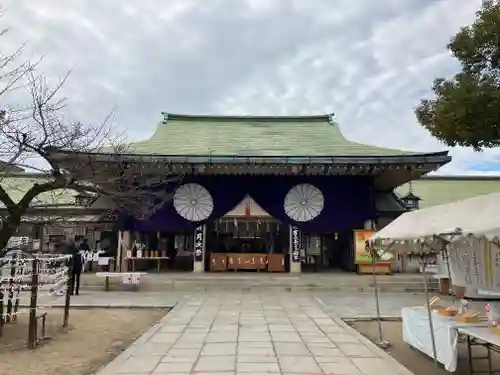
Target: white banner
<point>470,265</point>
<point>494,269</point>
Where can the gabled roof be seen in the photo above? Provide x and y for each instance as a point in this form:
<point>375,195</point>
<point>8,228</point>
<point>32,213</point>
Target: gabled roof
<point>310,136</point>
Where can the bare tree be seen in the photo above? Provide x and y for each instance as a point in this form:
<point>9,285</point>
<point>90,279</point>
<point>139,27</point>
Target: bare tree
<point>13,70</point>
<point>36,128</point>
<point>41,130</point>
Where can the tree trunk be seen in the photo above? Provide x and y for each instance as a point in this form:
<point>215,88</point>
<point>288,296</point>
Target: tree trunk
<point>8,229</point>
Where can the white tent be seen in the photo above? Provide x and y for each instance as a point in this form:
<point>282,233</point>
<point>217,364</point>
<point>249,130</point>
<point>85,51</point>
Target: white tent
<point>432,229</point>
<point>478,216</point>
<point>471,228</point>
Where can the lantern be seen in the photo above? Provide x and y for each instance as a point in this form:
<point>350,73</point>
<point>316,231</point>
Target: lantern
<point>411,201</point>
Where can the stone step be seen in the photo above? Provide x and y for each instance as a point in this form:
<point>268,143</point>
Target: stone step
<point>146,288</point>
<point>265,282</point>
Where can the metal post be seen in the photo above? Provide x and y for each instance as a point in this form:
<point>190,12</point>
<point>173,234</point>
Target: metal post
<point>446,257</point>
<point>384,344</point>
<point>377,304</point>
<point>429,312</point>
<point>69,289</point>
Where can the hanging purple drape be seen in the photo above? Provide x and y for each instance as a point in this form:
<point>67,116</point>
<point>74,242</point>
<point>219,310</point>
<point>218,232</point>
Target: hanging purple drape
<point>348,201</point>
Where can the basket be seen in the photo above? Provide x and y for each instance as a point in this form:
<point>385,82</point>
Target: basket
<point>467,319</point>
<point>437,309</point>
<point>445,312</point>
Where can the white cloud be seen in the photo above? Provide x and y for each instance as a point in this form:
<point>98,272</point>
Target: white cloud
<point>368,61</point>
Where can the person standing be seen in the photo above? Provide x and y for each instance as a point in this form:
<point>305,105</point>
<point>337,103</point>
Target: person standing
<point>76,264</point>
<point>88,258</point>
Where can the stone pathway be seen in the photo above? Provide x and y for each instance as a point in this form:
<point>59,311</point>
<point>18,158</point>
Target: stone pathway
<point>363,305</point>
<point>252,334</point>
<point>109,300</point>
<point>346,305</point>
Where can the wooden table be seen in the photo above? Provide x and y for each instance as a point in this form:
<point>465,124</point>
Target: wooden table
<point>379,267</point>
<point>481,336</point>
<point>246,262</point>
<point>275,263</point>
<point>108,275</point>
<point>218,262</point>
<point>158,261</point>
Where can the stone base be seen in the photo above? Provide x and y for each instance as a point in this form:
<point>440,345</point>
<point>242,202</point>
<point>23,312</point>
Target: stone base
<point>199,267</point>
<point>295,268</point>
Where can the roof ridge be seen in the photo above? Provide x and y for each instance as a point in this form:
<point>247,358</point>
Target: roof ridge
<point>175,116</point>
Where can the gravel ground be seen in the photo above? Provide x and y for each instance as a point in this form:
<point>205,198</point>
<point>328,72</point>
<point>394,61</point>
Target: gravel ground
<point>94,337</point>
<point>414,360</point>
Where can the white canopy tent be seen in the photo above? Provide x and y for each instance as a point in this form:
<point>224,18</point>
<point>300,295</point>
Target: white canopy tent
<point>478,216</point>
<point>470,224</point>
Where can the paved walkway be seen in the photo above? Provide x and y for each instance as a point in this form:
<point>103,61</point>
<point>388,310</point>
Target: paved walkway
<point>109,299</point>
<point>363,305</point>
<point>347,305</point>
<point>252,334</point>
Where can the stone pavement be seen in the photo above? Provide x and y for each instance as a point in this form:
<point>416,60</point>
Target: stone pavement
<point>346,305</point>
<point>109,300</point>
<point>252,334</point>
<point>363,305</point>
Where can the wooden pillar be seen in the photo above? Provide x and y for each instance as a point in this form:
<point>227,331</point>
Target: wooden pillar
<point>295,249</point>
<point>126,246</point>
<point>199,248</point>
<point>118,252</point>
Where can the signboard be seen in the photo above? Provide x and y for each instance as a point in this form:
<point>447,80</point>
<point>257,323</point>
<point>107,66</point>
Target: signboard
<point>471,260</point>
<point>296,244</point>
<point>246,261</point>
<point>199,243</point>
<point>362,250</point>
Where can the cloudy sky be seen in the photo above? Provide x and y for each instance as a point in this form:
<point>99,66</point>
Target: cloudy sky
<point>368,61</point>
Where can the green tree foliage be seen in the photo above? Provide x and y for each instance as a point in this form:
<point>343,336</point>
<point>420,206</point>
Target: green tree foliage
<point>466,108</point>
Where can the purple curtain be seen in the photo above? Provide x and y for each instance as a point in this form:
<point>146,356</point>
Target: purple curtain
<point>349,201</point>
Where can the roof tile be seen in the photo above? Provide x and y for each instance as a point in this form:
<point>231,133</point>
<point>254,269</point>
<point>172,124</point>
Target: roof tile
<point>254,136</point>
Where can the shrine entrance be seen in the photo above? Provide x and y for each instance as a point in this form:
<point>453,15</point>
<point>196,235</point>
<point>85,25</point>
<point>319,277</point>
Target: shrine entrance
<point>247,239</point>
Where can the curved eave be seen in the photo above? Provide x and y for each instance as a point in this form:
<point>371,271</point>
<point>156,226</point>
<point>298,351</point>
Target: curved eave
<point>433,158</point>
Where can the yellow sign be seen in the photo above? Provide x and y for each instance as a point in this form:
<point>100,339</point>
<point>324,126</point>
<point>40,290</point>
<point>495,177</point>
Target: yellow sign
<point>362,248</point>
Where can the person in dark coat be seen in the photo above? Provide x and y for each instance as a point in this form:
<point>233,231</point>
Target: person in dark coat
<point>76,266</point>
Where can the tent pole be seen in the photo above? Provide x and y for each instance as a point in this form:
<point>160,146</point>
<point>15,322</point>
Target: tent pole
<point>384,344</point>
<point>447,260</point>
<point>381,342</point>
<point>429,312</point>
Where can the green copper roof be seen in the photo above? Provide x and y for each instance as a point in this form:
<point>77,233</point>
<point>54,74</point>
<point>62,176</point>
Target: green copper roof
<point>254,136</point>
<point>16,185</point>
<point>438,190</point>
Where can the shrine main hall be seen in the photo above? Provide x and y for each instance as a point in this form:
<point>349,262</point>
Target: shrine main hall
<point>277,194</point>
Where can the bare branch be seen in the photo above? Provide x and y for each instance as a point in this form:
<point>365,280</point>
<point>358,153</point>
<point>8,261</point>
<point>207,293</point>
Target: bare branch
<point>39,129</point>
